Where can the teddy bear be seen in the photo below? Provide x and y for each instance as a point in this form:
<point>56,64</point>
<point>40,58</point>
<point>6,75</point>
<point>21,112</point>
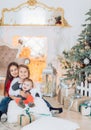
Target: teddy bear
<point>58,20</point>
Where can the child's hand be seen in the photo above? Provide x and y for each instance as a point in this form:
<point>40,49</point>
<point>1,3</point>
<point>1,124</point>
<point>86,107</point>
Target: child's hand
<point>23,94</point>
<point>27,94</point>
<point>21,81</point>
<point>15,98</point>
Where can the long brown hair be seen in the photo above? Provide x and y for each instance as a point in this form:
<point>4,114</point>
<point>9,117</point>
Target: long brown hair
<point>8,74</point>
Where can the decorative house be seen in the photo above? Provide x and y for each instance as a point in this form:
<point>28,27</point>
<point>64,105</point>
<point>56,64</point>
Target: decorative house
<point>49,81</point>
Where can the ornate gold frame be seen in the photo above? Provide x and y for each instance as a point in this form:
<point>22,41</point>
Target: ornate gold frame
<point>34,3</point>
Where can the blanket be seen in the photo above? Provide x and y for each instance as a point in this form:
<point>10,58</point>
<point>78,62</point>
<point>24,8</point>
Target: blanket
<point>39,110</point>
<point>54,123</point>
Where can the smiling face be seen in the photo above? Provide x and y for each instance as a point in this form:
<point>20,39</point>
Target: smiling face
<point>23,73</point>
<point>14,71</point>
<point>27,85</point>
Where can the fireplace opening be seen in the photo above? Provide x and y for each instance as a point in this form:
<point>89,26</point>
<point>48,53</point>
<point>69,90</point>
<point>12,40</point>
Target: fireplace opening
<point>34,48</point>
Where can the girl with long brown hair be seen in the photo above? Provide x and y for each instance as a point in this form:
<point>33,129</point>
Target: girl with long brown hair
<point>12,72</point>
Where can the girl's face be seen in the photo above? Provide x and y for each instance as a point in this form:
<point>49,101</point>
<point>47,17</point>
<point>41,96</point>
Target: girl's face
<point>27,85</point>
<point>23,73</point>
<point>14,71</point>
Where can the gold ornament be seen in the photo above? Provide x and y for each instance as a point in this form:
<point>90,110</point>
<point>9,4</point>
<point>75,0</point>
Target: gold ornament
<point>87,47</point>
<point>82,50</point>
<point>85,43</point>
<point>89,78</point>
<point>32,2</point>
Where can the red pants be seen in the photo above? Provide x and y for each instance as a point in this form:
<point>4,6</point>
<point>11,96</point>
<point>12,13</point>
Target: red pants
<point>28,100</point>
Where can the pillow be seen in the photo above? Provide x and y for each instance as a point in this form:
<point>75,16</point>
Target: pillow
<point>54,123</point>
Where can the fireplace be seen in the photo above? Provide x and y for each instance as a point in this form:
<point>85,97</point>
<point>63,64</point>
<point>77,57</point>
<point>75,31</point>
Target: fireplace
<point>34,48</point>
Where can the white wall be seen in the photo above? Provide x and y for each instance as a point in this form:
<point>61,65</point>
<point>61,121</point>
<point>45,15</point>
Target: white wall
<point>58,38</point>
<point>51,32</point>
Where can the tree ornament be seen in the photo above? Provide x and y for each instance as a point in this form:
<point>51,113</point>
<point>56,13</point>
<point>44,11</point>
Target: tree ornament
<point>86,43</point>
<point>87,47</point>
<point>86,61</point>
<point>89,78</point>
<point>82,50</point>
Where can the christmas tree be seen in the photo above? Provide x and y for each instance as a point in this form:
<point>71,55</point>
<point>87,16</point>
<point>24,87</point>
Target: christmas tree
<point>77,61</point>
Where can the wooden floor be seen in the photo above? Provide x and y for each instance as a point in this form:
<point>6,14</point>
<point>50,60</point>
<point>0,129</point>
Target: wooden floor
<point>83,121</point>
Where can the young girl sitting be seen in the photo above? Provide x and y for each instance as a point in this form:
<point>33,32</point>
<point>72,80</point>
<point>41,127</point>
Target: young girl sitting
<point>12,72</point>
<point>41,106</point>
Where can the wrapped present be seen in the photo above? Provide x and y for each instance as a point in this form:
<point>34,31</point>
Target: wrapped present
<point>73,104</point>
<point>65,92</point>
<point>25,119</point>
<point>85,109</point>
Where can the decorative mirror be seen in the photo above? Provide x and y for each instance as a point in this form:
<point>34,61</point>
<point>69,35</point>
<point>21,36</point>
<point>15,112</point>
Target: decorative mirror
<point>33,13</point>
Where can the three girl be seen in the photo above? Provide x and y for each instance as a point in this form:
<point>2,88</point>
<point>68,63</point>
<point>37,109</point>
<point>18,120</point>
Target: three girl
<point>13,71</point>
<point>17,84</point>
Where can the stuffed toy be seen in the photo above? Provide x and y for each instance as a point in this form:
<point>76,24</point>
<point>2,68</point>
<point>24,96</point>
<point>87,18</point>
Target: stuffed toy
<point>58,20</point>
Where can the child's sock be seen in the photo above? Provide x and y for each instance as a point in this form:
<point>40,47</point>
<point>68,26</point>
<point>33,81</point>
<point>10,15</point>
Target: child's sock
<point>21,104</point>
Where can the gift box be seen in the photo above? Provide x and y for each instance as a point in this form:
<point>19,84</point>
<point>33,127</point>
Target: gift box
<point>64,92</point>
<point>25,119</point>
<point>85,110</point>
<point>67,87</point>
<point>73,104</point>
